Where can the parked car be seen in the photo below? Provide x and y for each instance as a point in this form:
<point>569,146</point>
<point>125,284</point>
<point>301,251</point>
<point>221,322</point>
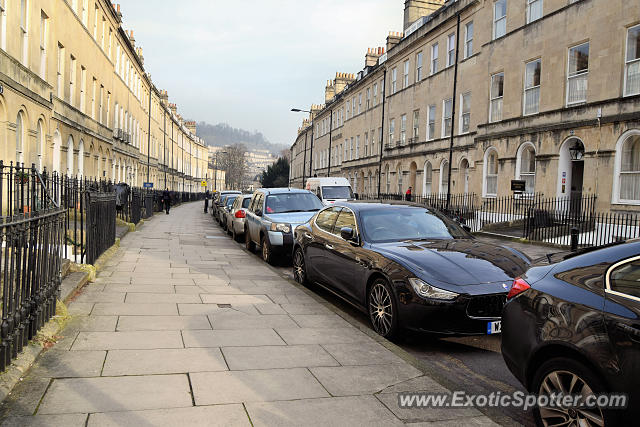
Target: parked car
<point>237,215</point>
<point>572,324</point>
<point>217,201</point>
<point>407,266</point>
<point>330,190</point>
<point>272,215</point>
<point>226,208</point>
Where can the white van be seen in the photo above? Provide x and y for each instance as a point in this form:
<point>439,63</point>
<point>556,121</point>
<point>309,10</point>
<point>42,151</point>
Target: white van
<point>330,190</point>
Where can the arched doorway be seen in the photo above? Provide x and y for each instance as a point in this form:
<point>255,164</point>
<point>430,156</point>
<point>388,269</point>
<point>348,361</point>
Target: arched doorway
<point>427,172</point>
<point>413,170</point>
<point>70,156</point>
<point>571,169</point>
<point>81,159</point>
<point>464,175</point>
<point>20,137</point>
<point>55,153</point>
<point>40,145</point>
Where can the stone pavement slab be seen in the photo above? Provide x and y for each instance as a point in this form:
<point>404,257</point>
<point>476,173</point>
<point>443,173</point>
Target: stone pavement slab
<point>200,416</point>
<point>231,338</point>
<point>61,420</point>
<point>273,357</point>
<point>127,340</point>
<point>162,323</point>
<point>255,386</point>
<point>164,361</point>
<point>235,320</point>
<point>104,394</point>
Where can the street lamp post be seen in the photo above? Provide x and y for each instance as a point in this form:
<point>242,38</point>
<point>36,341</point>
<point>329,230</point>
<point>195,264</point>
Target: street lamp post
<point>297,110</point>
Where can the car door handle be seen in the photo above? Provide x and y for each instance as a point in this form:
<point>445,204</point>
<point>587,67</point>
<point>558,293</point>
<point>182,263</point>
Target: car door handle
<point>328,246</point>
<point>635,332</point>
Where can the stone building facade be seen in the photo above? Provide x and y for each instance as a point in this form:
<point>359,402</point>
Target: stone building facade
<point>482,92</point>
<point>75,98</point>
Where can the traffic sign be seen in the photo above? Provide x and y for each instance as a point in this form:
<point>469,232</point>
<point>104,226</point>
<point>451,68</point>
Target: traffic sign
<point>147,185</point>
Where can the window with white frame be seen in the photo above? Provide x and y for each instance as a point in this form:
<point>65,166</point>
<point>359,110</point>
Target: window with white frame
<point>434,58</point>
<point>94,88</point>
<point>60,72</point>
<point>468,39</point>
<point>103,36</point>
<point>405,76</point>
<point>451,49</point>
<point>359,102</point>
<point>366,144</point>
<point>394,78</point>
<point>491,173</point>
<point>431,122</point>
<point>499,18</point>
<point>368,104</point>
<point>44,34</point>
<point>399,175</point>
<point>3,24</point>
<point>357,147</point>
<point>534,10</point>
<point>628,165</point>
<point>95,22</point>
<point>444,177</point>
<point>353,106</point>
<point>101,105</point>
<point>85,13</point>
<point>632,62</point>
<point>388,178</point>
<point>83,88</point>
<point>532,87</point>
<point>375,94</point>
<point>392,130</point>
<point>465,112</point>
<point>447,106</point>
<point>526,166</point>
<point>351,149</point>
<point>403,129</point>
<point>416,125</point>
<point>110,42</point>
<point>418,66</point>
<point>24,31</point>
<point>72,81</point>
<point>348,109</point>
<point>496,95</point>
<point>577,74</point>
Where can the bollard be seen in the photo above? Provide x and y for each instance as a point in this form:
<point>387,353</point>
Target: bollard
<point>574,239</point>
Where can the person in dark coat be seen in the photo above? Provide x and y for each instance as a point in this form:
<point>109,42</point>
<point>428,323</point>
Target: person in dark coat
<point>207,197</point>
<point>166,199</point>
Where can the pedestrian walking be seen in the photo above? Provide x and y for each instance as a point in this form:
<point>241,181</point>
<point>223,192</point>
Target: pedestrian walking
<point>166,199</point>
<point>408,195</point>
<point>207,196</point>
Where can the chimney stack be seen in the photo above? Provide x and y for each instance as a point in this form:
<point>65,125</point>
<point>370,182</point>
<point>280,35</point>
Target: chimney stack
<point>371,58</point>
<point>329,91</point>
<point>191,126</point>
<point>164,97</point>
<point>416,9</point>
<point>393,39</point>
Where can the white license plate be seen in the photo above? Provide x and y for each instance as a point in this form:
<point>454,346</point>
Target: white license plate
<point>494,327</point>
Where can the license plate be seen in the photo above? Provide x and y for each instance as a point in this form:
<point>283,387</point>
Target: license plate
<point>494,327</point>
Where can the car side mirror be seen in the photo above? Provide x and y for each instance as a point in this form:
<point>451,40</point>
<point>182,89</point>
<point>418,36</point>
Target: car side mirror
<point>258,212</point>
<point>347,234</point>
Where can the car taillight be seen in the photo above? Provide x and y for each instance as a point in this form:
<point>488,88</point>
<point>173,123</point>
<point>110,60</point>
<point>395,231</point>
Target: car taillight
<point>240,214</point>
<point>518,287</point>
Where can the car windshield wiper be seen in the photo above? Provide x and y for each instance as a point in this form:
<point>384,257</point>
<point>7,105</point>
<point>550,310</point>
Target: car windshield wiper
<point>291,211</point>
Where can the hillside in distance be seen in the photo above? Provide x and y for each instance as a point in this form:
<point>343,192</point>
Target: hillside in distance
<point>222,134</point>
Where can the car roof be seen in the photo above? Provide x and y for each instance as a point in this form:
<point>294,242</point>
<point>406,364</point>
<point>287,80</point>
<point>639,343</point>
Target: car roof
<point>363,205</point>
<point>283,190</point>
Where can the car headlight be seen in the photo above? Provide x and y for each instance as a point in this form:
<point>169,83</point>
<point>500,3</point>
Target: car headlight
<point>285,228</point>
<point>424,289</point>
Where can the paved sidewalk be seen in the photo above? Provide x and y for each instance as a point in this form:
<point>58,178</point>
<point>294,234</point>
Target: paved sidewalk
<point>183,327</point>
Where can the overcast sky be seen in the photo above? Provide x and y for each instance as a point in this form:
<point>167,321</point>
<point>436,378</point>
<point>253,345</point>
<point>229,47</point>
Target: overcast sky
<point>248,62</point>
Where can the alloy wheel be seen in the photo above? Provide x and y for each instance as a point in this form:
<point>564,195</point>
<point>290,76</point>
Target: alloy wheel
<point>299,272</point>
<point>266,251</point>
<point>381,309</point>
<point>568,383</point>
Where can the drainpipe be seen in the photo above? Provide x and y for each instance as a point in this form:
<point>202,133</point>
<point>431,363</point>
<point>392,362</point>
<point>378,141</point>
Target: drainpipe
<point>384,85</point>
<point>164,145</point>
<point>330,136</point>
<point>149,138</point>
<point>311,148</point>
<point>453,111</point>
<point>304,157</point>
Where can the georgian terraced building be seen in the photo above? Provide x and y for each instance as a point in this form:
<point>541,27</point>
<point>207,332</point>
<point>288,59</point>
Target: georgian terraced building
<point>489,91</point>
<point>75,98</point>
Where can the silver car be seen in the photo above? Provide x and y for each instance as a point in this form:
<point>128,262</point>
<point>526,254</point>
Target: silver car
<point>236,216</point>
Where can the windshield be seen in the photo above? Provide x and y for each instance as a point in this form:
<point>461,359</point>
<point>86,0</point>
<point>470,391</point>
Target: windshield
<point>230,200</point>
<point>342,192</point>
<point>245,202</point>
<point>408,223</point>
<point>292,202</point>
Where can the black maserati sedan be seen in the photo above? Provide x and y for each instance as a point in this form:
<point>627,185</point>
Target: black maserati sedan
<point>407,267</point>
<point>572,325</point>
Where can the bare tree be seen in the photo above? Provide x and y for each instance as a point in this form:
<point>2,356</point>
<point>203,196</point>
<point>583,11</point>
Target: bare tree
<point>232,161</point>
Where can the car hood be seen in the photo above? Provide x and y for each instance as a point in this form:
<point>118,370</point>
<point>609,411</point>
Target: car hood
<point>458,262</point>
<point>291,217</point>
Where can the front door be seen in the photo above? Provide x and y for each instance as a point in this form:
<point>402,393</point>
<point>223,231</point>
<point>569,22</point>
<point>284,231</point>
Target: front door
<point>577,175</point>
